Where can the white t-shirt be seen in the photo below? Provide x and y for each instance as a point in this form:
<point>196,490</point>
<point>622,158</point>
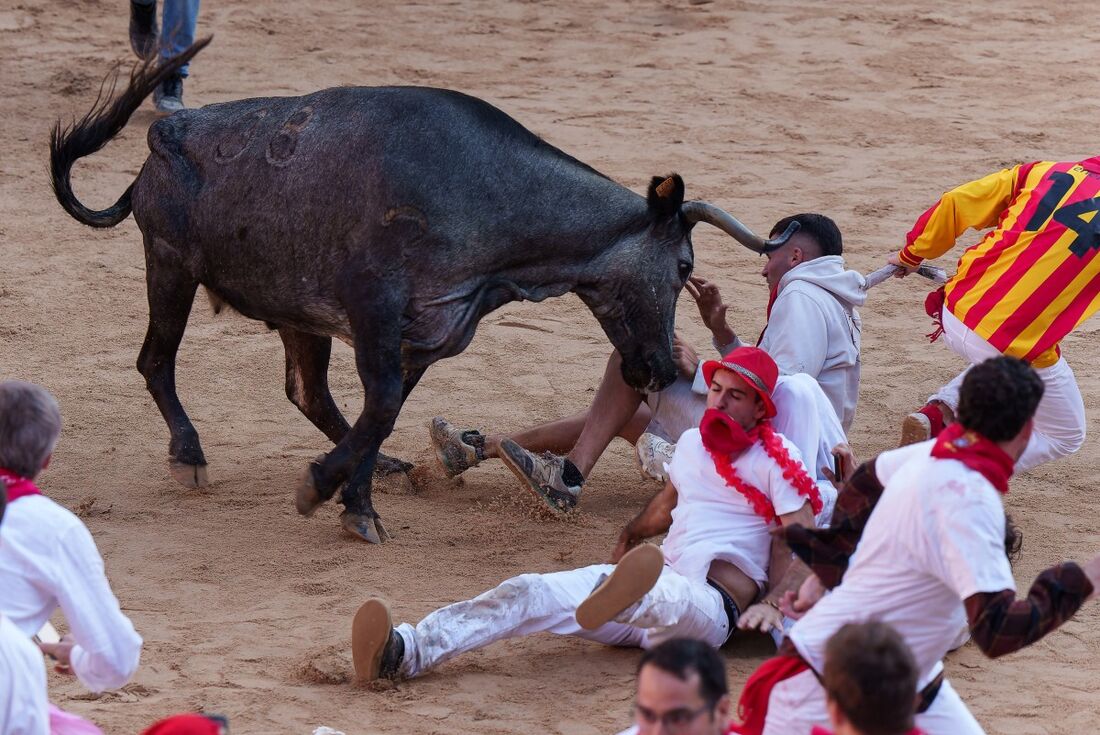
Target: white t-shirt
<point>712,520</point>
<point>47,559</point>
<point>24,708</point>
<point>935,538</point>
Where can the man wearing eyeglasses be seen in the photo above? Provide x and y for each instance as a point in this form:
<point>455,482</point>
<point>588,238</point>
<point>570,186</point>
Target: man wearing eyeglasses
<point>682,689</point>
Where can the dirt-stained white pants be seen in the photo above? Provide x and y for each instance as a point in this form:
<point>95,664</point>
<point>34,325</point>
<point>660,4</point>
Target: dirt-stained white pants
<point>536,603</point>
<point>798,704</point>
<point>1060,418</point>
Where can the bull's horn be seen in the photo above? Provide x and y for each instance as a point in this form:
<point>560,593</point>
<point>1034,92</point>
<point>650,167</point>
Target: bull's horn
<point>702,212</point>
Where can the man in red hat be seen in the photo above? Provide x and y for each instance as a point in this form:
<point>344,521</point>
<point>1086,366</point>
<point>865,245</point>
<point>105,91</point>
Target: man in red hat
<point>812,332</point>
<point>732,480</point>
<point>1029,282</point>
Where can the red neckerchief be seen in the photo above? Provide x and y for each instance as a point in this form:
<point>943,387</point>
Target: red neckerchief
<point>18,487</point>
<point>725,439</point>
<point>752,708</point>
<point>933,307</point>
<point>772,295</point>
<point>185,725</point>
<point>977,453</point>
<point>822,731</point>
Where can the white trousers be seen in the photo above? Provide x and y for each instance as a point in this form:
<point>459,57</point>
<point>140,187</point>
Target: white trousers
<point>1060,418</point>
<point>536,603</point>
<point>798,704</point>
<point>803,414</point>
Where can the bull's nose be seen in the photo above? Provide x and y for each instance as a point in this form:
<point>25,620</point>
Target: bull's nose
<point>660,378</point>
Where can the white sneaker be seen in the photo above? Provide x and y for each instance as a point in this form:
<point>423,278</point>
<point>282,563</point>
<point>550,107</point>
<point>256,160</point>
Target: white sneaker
<point>653,453</point>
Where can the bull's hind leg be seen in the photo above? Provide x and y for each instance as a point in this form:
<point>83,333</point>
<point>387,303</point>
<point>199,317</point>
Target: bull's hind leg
<point>171,291</point>
<point>307,359</point>
<point>352,461</point>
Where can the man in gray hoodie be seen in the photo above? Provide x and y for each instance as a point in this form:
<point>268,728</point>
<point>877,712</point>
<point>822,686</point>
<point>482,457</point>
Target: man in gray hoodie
<point>812,332</point>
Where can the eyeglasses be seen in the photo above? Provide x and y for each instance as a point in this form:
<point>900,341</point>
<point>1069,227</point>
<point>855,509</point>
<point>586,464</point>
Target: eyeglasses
<point>674,721</point>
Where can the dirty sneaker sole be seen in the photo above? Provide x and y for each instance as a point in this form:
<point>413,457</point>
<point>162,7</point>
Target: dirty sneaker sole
<point>649,460</point>
<point>370,631</point>
<point>450,457</point>
<point>915,428</point>
<point>519,462</point>
<point>633,576</point>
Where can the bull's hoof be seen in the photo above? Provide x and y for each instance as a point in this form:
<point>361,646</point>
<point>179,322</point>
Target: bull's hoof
<point>365,527</point>
<point>306,497</point>
<point>188,475</point>
<point>385,465</point>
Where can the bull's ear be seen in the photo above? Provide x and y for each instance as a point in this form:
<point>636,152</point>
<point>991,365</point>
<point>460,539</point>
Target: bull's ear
<point>665,195</point>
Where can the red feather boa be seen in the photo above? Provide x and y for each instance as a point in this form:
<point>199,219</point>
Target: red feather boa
<point>793,472</point>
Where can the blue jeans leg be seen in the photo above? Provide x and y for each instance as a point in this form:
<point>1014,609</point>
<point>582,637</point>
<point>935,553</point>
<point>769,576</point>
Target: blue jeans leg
<point>177,28</point>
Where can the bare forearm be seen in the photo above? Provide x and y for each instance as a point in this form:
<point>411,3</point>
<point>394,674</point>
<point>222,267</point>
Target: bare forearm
<point>785,572</point>
<point>655,518</point>
<point>724,335</point>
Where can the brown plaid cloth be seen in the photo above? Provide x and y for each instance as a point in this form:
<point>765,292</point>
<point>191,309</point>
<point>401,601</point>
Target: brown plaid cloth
<point>1000,624</point>
<point>826,550</point>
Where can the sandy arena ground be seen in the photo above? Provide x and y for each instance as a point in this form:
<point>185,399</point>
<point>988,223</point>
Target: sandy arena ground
<point>766,108</point>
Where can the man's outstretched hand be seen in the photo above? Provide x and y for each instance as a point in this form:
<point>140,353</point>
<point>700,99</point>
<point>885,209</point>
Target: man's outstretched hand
<point>685,356</point>
<point>844,466</point>
<point>904,269</point>
<point>625,544</point>
<point>794,605</point>
<point>61,653</point>
<point>762,617</point>
<point>711,308</point>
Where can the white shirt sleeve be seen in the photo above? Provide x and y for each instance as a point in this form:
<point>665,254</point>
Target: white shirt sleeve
<point>698,384</point>
<point>967,545</point>
<point>797,336</point>
<point>785,498</point>
<point>889,462</point>
<point>107,647</point>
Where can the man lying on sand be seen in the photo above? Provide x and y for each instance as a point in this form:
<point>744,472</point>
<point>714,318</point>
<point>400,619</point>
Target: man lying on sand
<point>729,482</point>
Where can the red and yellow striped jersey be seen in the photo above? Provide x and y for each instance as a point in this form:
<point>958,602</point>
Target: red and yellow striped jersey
<point>1035,276</point>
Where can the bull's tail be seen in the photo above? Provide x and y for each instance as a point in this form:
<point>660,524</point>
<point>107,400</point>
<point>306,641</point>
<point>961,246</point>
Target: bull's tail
<point>108,116</point>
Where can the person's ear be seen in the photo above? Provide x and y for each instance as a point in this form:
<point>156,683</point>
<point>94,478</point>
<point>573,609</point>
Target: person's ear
<point>722,708</point>
<point>1020,441</point>
<point>836,717</point>
<point>46,463</point>
<point>759,410</point>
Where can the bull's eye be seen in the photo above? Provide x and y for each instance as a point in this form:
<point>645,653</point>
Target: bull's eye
<point>685,270</point>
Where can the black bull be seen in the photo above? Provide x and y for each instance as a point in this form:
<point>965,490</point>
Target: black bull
<point>390,218</point>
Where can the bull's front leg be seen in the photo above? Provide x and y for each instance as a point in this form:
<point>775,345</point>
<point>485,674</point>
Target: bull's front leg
<point>352,462</point>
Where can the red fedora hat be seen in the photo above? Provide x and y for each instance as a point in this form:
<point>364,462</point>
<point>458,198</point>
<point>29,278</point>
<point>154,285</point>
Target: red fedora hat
<point>755,366</point>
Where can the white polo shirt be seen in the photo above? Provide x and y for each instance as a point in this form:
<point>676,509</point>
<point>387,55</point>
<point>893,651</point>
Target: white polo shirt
<point>935,538</point>
<point>48,559</point>
<point>712,520</point>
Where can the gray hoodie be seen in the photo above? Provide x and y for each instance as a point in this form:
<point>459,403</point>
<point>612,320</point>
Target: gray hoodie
<point>814,329</point>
